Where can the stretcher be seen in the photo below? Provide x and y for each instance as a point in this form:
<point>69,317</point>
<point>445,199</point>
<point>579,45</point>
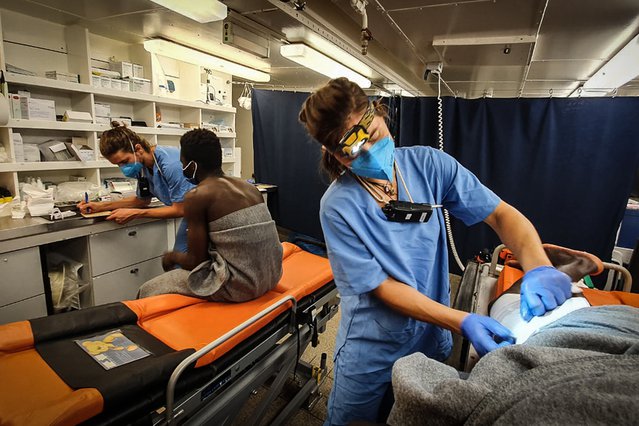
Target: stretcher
<point>482,283</point>
<point>203,358</point>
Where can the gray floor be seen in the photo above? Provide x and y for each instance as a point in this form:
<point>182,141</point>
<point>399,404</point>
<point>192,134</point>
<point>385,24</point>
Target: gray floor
<point>316,415</point>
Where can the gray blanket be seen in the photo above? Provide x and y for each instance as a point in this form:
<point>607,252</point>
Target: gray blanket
<point>245,261</point>
<point>582,369</point>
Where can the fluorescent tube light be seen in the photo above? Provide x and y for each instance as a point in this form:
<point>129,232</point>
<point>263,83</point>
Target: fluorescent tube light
<point>619,70</point>
<point>201,10</point>
<point>312,59</point>
<point>319,43</point>
<point>192,56</point>
<point>396,89</point>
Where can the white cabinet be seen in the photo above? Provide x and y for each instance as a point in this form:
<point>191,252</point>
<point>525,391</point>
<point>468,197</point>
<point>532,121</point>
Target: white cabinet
<point>21,285</point>
<point>123,284</point>
<point>72,49</point>
<point>124,259</point>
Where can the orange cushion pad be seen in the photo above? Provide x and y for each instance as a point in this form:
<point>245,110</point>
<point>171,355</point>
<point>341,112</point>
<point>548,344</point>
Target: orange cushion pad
<point>194,324</point>
<point>32,394</point>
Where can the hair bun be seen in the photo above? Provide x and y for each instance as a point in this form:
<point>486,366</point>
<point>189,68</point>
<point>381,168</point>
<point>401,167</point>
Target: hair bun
<point>116,124</point>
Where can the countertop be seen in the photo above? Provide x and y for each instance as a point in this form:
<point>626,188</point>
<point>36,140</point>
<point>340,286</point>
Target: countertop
<point>32,231</point>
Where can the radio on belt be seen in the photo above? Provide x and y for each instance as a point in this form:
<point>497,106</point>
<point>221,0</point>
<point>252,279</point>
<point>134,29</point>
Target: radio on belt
<point>405,211</point>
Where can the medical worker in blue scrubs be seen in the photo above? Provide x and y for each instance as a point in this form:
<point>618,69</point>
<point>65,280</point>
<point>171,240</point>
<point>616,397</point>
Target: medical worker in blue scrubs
<point>159,173</point>
<point>393,277</point>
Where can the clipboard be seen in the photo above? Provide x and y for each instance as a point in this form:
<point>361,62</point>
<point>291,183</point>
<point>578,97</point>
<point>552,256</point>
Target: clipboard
<point>97,214</point>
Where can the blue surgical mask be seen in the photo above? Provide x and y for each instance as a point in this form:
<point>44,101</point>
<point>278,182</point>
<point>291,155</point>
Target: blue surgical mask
<point>377,162</point>
<point>192,180</point>
<point>131,170</point>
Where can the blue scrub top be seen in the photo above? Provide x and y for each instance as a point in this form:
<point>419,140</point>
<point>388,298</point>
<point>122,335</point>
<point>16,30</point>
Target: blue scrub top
<point>364,249</point>
<point>169,185</point>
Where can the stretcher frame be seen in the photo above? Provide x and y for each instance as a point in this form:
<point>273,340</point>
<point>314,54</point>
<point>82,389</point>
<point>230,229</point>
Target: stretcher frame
<point>221,398</point>
<point>477,289</point>
<point>209,386</point>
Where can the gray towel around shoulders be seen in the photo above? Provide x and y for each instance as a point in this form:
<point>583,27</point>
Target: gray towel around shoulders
<point>245,257</point>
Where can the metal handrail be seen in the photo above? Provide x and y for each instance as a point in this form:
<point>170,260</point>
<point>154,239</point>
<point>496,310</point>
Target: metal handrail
<point>493,259</point>
<point>170,388</point>
<point>627,278</point>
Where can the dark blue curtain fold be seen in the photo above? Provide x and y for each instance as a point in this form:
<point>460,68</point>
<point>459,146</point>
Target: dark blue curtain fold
<point>567,164</point>
<point>287,157</point>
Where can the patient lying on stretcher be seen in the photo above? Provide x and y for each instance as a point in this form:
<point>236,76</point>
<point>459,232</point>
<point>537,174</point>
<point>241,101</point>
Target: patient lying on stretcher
<point>579,365</point>
<point>577,265</point>
<point>234,253</point>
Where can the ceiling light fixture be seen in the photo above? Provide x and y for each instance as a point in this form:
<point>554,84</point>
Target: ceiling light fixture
<point>619,70</point>
<point>319,43</point>
<point>316,61</point>
<point>202,11</point>
<point>192,56</point>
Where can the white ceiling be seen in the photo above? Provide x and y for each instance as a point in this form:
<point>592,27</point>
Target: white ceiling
<point>566,40</point>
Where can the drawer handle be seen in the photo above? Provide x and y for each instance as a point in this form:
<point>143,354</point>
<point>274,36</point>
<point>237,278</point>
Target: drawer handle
<point>134,270</point>
<point>133,233</point>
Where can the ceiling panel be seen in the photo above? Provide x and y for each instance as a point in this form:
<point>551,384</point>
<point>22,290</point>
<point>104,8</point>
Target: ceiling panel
<point>91,9</point>
<point>563,70</point>
<point>586,29</point>
<point>575,39</point>
<point>484,73</point>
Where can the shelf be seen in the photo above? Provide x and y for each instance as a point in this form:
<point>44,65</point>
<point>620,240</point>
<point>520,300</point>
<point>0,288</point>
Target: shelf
<point>47,83</point>
<point>53,165</point>
<point>65,86</point>
<point>53,125</point>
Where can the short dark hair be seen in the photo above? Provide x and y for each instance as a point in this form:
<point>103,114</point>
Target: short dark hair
<point>203,147</point>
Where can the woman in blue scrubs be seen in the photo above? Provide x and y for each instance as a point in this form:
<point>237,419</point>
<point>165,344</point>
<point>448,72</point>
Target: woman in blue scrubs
<point>159,173</point>
<point>393,277</point>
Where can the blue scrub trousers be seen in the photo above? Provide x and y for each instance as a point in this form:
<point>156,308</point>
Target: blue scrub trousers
<point>180,238</point>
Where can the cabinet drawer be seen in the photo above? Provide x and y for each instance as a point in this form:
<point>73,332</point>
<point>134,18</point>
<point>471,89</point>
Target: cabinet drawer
<point>123,247</point>
<point>33,307</point>
<point>20,275</point>
<point>124,283</point>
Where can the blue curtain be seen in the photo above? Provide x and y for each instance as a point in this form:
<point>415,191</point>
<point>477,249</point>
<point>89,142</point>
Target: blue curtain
<point>567,164</point>
<point>287,157</point>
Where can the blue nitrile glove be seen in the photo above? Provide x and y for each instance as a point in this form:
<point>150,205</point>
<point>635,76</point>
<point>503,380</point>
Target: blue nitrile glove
<point>542,290</point>
<point>485,333</point>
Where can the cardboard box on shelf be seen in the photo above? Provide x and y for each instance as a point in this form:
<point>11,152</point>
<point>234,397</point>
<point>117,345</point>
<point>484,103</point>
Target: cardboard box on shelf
<point>31,153</point>
<point>138,71</point>
<point>83,152</point>
<point>37,109</point>
<point>102,110</point>
<point>103,120</point>
<point>77,116</point>
<point>227,153</point>
<point>62,76</point>
<point>141,85</point>
<point>124,68</point>
<point>18,148</point>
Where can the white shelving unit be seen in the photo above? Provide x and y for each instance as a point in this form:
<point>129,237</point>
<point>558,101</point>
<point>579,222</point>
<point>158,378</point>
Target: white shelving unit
<point>72,49</point>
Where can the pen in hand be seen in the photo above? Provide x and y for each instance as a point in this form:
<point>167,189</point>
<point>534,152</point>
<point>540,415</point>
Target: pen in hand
<point>86,201</point>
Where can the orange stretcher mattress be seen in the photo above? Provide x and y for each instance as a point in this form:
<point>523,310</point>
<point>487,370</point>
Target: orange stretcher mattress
<point>32,392</point>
